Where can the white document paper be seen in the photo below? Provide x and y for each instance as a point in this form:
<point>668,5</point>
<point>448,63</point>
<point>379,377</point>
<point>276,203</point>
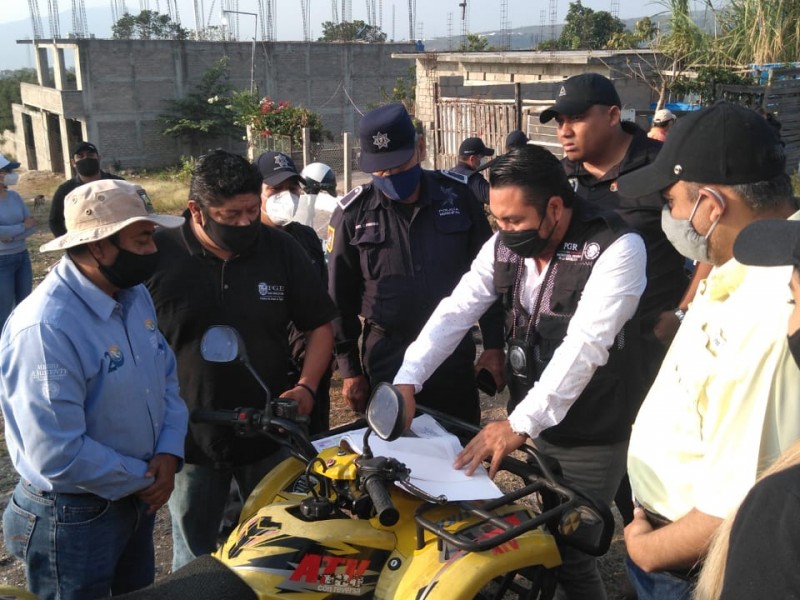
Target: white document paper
<point>429,452</point>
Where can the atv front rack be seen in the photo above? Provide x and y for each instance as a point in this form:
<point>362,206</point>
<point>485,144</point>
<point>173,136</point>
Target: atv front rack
<point>490,529</point>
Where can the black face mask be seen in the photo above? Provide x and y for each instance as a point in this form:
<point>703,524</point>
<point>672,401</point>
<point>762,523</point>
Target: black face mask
<point>88,167</point>
<point>794,346</point>
<point>129,269</point>
<point>233,238</point>
<point>527,243</point>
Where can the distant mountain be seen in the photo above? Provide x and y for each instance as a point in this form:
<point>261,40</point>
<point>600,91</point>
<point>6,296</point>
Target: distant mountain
<point>526,38</point>
<point>17,56</point>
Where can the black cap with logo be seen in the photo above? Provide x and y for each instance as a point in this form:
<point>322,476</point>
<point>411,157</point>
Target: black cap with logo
<point>276,167</point>
<point>724,143</point>
<point>579,93</point>
<point>387,136</point>
<point>474,146</point>
<point>84,146</point>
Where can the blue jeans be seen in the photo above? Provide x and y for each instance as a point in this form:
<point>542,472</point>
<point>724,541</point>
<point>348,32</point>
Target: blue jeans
<point>79,546</point>
<point>659,585</point>
<point>197,504</point>
<point>16,281</point>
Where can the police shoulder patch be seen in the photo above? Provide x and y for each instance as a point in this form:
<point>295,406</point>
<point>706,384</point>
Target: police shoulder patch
<point>454,176</point>
<point>350,196</point>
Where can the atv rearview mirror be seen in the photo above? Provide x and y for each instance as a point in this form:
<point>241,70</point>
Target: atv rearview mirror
<point>386,412</point>
<point>223,344</point>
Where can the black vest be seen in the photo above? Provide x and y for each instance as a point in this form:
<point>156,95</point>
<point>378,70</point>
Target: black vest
<point>605,410</point>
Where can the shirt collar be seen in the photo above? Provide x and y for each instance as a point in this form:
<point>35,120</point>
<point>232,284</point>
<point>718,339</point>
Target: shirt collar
<point>96,300</point>
<point>723,280</point>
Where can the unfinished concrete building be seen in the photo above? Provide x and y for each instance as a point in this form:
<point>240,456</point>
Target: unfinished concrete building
<point>119,86</point>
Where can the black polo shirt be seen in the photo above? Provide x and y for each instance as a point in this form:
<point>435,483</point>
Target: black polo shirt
<point>258,293</point>
<point>666,278</point>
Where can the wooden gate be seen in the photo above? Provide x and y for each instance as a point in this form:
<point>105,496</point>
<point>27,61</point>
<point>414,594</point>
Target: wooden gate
<point>491,120</point>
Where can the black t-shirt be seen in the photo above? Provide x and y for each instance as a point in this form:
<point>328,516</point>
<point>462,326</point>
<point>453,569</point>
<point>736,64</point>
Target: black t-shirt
<point>765,541</point>
<point>258,293</point>
<point>666,278</point>
<point>56,219</point>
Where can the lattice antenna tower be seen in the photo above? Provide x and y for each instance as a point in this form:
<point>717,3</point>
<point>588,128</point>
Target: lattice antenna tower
<point>36,19</point>
<point>380,14</point>
<point>172,11</point>
<point>304,8</point>
<point>615,8</point>
<point>199,18</point>
<point>144,5</point>
<point>80,28</point>
<point>553,18</point>
<point>542,24</point>
<point>450,31</point>
<point>334,12</point>
<point>271,21</point>
<point>55,22</point>
<point>393,22</point>
<point>347,10</point>
<point>464,23</point>
<point>505,29</point>
<point>411,15</point>
<point>420,31</point>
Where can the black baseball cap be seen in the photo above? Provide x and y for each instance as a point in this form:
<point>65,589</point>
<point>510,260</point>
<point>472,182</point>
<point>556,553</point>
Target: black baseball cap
<point>769,243</point>
<point>579,93</point>
<point>277,167</point>
<point>515,139</point>
<point>84,146</point>
<point>474,146</point>
<point>724,143</point>
<point>387,136</point>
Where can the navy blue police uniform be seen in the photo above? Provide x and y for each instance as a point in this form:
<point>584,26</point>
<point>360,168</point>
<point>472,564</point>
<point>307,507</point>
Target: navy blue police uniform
<point>391,263</point>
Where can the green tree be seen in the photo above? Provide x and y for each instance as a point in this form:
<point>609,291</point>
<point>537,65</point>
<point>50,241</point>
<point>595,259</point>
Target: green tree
<point>351,31</point>
<point>404,90</point>
<point>475,43</point>
<point>148,25</point>
<point>204,114</point>
<point>10,94</point>
<point>644,31</point>
<point>586,29</point>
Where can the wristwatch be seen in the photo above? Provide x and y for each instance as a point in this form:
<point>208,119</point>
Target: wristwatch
<point>680,313</point>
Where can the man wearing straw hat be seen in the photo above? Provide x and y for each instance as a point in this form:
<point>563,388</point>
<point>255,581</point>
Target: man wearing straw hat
<point>94,423</point>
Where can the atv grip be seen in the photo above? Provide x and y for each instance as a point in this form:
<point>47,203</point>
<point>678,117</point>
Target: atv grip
<point>206,415</point>
<point>387,514</point>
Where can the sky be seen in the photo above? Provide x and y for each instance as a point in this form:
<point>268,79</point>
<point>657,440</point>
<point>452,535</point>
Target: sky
<point>432,15</point>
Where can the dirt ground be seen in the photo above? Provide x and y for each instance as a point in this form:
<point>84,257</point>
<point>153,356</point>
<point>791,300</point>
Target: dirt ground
<point>11,570</point>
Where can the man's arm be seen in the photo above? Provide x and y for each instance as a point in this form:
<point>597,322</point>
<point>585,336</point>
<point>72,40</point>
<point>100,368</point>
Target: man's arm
<point>319,349</point>
<point>56,221</point>
<point>451,319</point>
<point>345,287</point>
<point>678,545</point>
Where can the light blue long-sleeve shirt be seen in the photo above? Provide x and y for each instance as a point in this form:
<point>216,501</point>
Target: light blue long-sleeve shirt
<point>88,387</point>
<point>13,212</point>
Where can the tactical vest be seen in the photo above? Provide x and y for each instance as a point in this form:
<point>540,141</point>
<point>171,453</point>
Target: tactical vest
<point>605,410</point>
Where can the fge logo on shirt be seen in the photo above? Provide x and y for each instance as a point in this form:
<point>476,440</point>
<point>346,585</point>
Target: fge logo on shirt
<point>275,293</point>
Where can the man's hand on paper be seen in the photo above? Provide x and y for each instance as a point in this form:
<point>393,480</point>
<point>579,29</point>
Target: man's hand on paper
<point>407,390</point>
<point>496,440</point>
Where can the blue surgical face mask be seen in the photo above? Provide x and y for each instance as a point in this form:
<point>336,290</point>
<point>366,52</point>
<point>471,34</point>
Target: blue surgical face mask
<point>682,234</point>
<point>399,186</point>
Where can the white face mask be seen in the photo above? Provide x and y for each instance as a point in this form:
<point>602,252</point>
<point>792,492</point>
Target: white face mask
<point>11,179</point>
<point>682,234</point>
<point>281,207</point>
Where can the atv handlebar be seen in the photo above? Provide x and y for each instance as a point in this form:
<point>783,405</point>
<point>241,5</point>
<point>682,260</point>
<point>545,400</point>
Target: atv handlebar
<point>248,421</point>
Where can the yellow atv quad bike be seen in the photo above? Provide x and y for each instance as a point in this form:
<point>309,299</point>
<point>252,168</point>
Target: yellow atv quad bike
<point>336,524</point>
